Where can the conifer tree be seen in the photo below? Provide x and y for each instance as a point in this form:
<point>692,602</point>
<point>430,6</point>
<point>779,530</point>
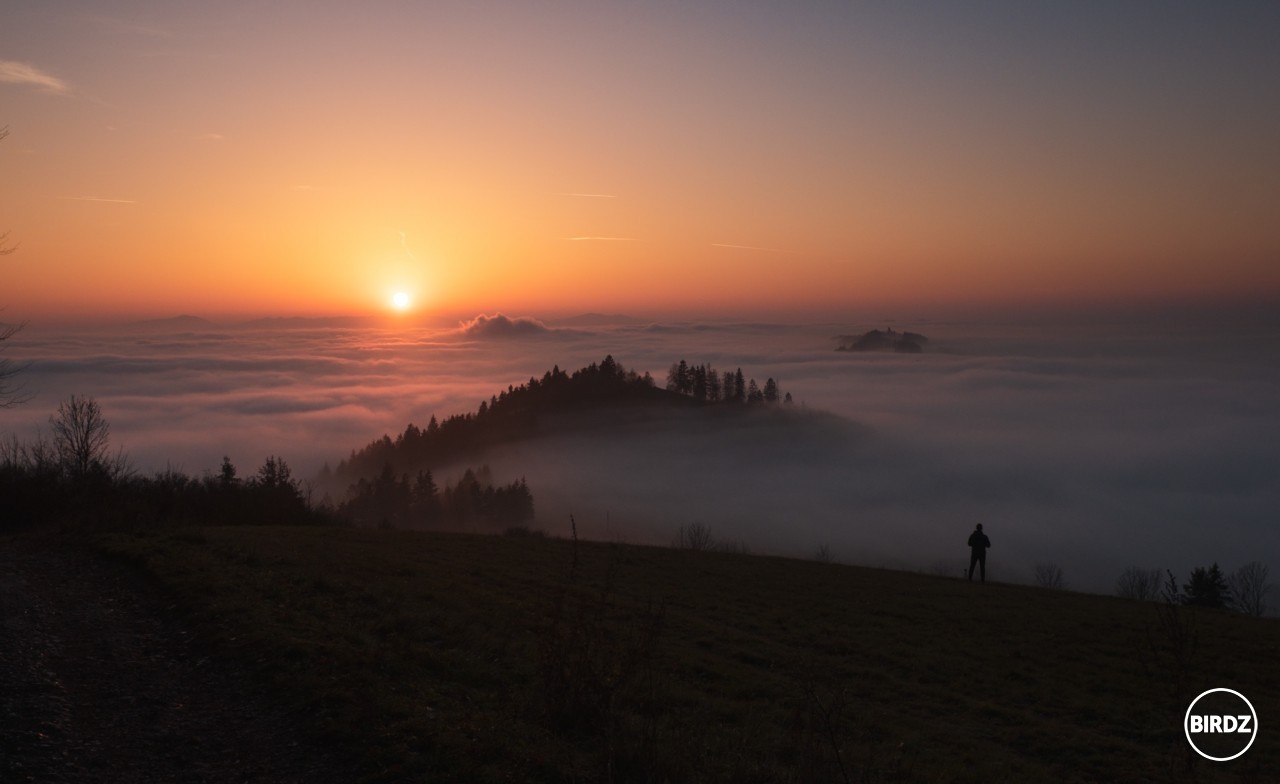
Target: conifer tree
<point>771,391</point>
<point>700,382</point>
<point>1207,588</point>
<point>713,384</point>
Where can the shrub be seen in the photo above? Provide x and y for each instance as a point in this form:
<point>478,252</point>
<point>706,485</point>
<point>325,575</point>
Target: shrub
<point>1138,583</point>
<point>1049,575</point>
<point>695,536</point>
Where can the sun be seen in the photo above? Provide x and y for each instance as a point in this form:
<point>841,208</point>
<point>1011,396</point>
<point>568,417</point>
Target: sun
<point>401,300</point>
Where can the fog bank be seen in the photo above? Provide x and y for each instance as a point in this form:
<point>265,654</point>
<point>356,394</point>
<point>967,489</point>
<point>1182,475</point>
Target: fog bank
<point>1093,447</point>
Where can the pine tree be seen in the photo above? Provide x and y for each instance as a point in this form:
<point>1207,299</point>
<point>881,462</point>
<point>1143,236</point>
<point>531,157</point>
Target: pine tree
<point>227,474</point>
<point>424,502</point>
<point>700,382</point>
<point>1207,588</point>
<point>771,391</point>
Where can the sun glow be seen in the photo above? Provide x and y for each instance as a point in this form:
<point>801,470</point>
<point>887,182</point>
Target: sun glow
<point>401,301</point>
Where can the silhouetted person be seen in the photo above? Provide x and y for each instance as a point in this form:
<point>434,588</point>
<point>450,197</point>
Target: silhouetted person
<point>978,544</point>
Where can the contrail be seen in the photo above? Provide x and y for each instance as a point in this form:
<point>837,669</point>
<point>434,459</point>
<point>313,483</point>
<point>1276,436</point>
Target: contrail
<point>751,247</point>
<point>405,244</point>
<point>95,198</point>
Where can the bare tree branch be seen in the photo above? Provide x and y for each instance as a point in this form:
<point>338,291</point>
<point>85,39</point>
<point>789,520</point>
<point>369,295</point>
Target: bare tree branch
<point>11,392</point>
<point>80,434</point>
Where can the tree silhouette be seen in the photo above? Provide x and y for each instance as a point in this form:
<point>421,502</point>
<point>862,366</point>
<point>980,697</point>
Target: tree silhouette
<point>1138,583</point>
<point>1049,575</point>
<point>227,474</point>
<point>10,392</point>
<point>1249,588</point>
<point>713,384</point>
<point>771,391</point>
<point>1207,588</point>
<point>80,435</point>
<point>700,383</point>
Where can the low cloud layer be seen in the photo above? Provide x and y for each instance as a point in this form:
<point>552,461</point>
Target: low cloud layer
<point>1092,448</point>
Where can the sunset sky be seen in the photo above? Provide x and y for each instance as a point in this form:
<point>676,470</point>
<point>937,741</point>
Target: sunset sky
<point>300,158</point>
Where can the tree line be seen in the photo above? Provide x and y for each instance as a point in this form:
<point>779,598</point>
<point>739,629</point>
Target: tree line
<point>72,478</point>
<point>391,501</point>
<point>1245,590</point>
<point>704,384</point>
<point>516,412</point>
<point>510,414</point>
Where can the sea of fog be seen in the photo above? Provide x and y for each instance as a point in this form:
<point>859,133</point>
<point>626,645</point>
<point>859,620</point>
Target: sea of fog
<point>1093,447</point>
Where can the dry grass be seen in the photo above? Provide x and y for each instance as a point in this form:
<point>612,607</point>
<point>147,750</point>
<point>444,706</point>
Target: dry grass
<point>428,653</point>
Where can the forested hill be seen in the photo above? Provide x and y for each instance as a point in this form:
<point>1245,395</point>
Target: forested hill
<point>544,406</point>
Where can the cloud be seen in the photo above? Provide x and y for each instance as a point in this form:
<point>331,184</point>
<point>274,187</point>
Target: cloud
<point>500,326</point>
<point>96,198</point>
<point>404,243</point>
<point>14,72</point>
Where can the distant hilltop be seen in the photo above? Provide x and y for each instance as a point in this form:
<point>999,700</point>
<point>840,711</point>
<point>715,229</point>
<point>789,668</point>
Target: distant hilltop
<point>175,323</point>
<point>883,340</point>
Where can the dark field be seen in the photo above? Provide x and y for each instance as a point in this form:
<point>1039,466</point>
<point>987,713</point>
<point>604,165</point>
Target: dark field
<point>437,657</point>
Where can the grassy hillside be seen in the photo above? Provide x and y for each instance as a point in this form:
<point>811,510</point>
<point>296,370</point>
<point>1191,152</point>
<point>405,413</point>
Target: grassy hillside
<point>464,658</point>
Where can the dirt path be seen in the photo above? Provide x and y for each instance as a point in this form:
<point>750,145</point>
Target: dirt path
<point>100,683</point>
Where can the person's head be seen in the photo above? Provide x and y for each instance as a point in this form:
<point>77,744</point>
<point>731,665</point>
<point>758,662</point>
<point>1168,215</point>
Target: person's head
<point>979,526</point>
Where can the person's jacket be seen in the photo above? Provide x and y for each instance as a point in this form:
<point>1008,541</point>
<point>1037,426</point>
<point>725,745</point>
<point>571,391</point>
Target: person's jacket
<point>979,541</point>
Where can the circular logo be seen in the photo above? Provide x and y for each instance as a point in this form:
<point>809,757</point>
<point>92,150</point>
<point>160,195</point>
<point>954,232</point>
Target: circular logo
<point>1220,724</point>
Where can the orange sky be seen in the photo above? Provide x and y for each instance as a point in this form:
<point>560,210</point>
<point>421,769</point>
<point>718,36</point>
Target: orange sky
<point>717,158</point>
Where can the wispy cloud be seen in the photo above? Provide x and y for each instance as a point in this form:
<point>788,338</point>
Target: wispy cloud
<point>210,137</point>
<point>404,243</point>
<point>602,239</point>
<point>96,198</point>
<point>14,72</point>
<point>751,247</point>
